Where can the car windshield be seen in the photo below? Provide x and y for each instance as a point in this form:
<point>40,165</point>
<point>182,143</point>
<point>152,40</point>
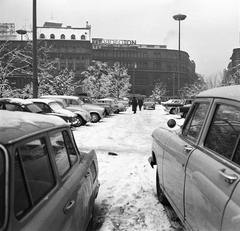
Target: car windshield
<point>34,108</point>
<point>55,105</point>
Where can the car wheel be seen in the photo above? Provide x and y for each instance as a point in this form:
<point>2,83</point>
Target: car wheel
<point>172,111</point>
<point>95,117</point>
<point>80,121</point>
<point>161,197</point>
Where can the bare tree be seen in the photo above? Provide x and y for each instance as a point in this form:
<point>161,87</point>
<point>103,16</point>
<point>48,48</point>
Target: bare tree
<point>159,91</point>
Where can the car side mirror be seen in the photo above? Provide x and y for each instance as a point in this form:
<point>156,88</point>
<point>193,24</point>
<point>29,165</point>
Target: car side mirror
<point>171,123</point>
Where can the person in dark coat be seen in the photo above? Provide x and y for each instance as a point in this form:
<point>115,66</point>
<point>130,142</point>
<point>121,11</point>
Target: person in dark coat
<point>134,105</point>
<point>140,103</point>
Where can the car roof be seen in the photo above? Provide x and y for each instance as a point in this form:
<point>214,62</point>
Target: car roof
<point>15,125</point>
<point>60,96</point>
<point>227,92</point>
<point>47,101</point>
<point>16,100</point>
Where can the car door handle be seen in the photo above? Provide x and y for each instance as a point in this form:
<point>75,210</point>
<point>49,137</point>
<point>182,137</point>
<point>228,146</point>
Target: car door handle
<point>228,178</point>
<point>68,206</point>
<point>187,148</point>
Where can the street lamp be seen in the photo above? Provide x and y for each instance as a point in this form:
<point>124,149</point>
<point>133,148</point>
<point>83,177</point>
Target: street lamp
<point>179,17</point>
<point>21,32</point>
<point>173,85</point>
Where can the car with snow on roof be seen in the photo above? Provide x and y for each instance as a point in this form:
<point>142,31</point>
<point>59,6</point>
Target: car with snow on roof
<point>198,163</point>
<point>46,182</point>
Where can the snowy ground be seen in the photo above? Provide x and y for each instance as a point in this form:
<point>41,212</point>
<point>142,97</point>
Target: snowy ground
<point>127,197</point>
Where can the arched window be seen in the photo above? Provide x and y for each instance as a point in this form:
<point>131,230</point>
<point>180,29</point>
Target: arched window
<point>52,36</point>
<point>42,36</point>
<point>62,36</point>
<point>73,36</point>
<point>83,37</point>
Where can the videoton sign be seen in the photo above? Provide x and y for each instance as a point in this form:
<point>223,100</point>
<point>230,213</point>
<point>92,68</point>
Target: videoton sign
<point>114,42</point>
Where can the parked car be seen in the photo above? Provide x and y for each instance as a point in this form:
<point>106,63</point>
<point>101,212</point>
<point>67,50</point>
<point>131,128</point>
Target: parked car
<point>83,116</point>
<point>171,107</point>
<point>198,163</point>
<point>46,183</point>
<point>96,112</point>
<point>17,104</point>
<point>52,107</point>
<point>112,102</point>
<point>149,103</point>
<point>87,100</point>
<point>183,110</point>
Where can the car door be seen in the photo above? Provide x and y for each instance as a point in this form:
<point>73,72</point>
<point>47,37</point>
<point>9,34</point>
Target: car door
<point>178,148</point>
<point>211,175</point>
<point>76,179</point>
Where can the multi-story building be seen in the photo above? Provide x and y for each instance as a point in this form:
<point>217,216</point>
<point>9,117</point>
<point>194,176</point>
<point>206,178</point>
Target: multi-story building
<point>146,64</point>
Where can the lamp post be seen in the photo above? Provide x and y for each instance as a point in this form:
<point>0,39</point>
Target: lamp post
<point>35,72</point>
<point>173,85</point>
<point>134,66</point>
<point>179,18</point>
<point>21,32</point>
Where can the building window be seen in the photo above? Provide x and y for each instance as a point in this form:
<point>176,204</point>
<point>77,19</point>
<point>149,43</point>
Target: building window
<point>52,36</point>
<point>73,36</point>
<point>83,37</point>
<point>42,36</point>
<point>62,36</point>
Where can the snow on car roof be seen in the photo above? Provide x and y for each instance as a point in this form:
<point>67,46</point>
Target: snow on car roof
<point>15,125</point>
<point>228,92</point>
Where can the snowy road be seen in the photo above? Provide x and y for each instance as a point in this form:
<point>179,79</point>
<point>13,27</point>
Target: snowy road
<point>127,197</point>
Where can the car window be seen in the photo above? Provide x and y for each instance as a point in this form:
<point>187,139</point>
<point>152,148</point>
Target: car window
<point>2,188</point>
<point>194,124</point>
<point>223,134</point>
<point>33,175</point>
<point>64,152</point>
<point>13,107</point>
<point>33,108</point>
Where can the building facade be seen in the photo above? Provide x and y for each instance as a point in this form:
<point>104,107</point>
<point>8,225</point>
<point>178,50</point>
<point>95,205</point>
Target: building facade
<point>146,64</point>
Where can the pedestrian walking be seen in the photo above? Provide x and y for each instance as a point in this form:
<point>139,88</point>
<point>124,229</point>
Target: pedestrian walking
<point>134,105</point>
<point>140,103</point>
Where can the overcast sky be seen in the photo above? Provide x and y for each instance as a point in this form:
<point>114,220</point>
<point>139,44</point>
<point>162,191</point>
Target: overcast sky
<point>208,34</point>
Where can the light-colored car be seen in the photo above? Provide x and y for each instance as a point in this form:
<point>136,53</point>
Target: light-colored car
<point>52,107</point>
<point>149,103</point>
<point>46,183</point>
<point>198,164</point>
<point>83,116</point>
<point>112,102</point>
<point>96,112</point>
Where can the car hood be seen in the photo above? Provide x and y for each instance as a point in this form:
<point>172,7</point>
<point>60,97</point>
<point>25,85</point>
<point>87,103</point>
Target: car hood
<point>65,112</point>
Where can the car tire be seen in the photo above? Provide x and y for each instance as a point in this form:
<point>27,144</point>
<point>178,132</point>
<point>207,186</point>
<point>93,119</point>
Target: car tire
<point>172,111</point>
<point>95,117</point>
<point>160,195</point>
<point>80,121</point>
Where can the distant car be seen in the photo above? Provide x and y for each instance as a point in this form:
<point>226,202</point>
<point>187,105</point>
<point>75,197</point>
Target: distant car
<point>96,112</point>
<point>112,102</point>
<point>149,103</point>
<point>87,100</point>
<point>52,107</point>
<point>46,183</point>
<point>198,163</point>
<point>171,107</point>
<point>17,104</point>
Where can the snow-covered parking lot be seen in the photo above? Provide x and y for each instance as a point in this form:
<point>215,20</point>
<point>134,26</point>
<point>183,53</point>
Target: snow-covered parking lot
<point>127,197</point>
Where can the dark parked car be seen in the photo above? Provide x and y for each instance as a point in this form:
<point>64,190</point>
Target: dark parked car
<point>198,164</point>
<point>46,183</point>
<point>171,107</point>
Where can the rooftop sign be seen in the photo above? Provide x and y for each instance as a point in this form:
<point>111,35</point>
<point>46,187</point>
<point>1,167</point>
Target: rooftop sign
<point>113,42</point>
